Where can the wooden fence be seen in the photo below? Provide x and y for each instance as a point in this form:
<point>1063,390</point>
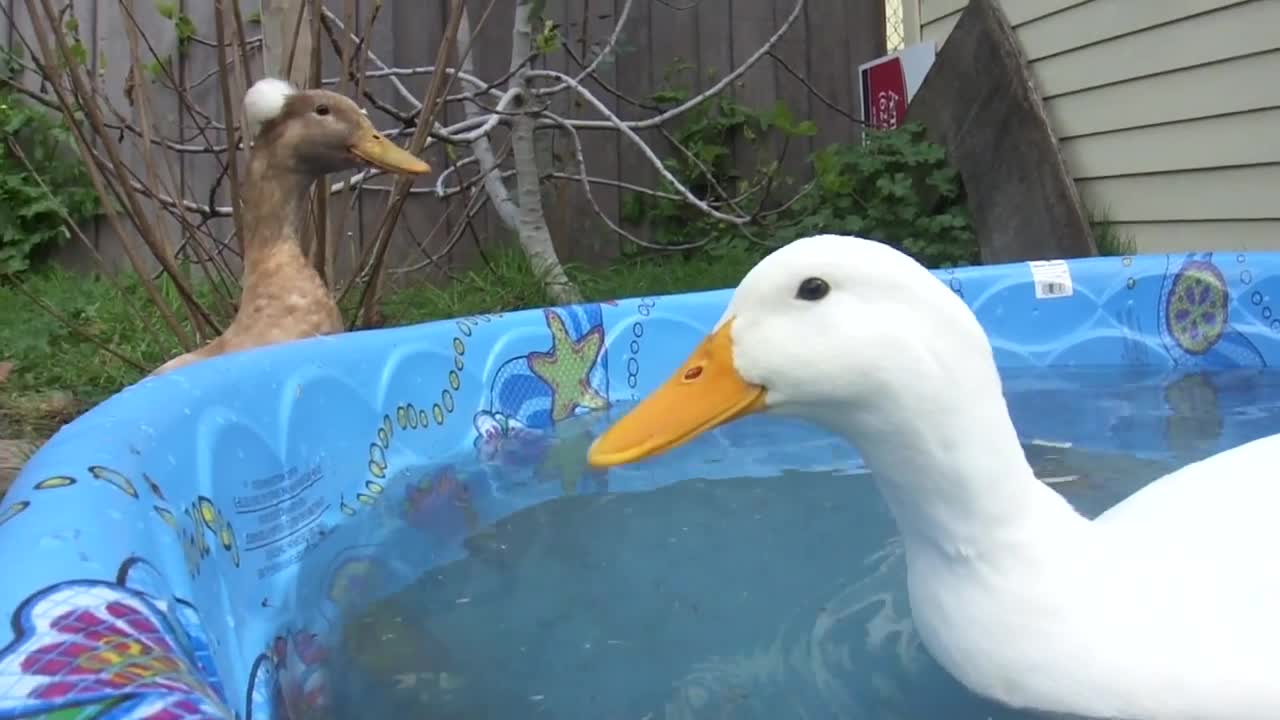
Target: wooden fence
<point>673,43</point>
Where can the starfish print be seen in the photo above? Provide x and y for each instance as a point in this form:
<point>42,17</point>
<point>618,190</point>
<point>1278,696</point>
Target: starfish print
<point>567,368</point>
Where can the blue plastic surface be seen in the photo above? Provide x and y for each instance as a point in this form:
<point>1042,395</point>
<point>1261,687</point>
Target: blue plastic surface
<point>170,550</point>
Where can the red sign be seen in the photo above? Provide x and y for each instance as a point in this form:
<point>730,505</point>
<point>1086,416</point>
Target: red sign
<point>884,95</point>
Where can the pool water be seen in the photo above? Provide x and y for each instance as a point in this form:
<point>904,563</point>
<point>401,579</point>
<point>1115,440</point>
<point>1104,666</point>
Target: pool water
<point>718,593</point>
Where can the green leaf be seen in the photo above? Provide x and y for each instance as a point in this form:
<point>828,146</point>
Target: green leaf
<point>79,54</point>
<point>185,28</point>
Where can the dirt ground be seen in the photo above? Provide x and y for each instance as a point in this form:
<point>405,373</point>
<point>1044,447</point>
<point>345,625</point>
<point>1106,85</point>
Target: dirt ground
<point>13,455</point>
<point>26,420</point>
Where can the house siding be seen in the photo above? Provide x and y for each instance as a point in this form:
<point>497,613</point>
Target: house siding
<point>1167,113</point>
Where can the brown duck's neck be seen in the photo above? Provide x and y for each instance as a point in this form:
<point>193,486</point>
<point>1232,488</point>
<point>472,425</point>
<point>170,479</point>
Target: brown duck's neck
<point>276,205</point>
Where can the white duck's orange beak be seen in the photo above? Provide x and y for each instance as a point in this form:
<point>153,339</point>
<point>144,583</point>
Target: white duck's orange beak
<point>703,394</point>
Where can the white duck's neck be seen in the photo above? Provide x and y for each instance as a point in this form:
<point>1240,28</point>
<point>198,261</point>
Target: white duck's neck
<point>949,464</point>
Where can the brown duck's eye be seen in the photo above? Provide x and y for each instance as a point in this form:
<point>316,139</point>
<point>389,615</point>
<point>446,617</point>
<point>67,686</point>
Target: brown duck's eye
<point>813,288</point>
<point>322,110</point>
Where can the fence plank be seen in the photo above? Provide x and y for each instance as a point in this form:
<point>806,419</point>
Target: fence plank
<point>674,49</point>
<point>715,39</point>
<point>555,150</point>
<point>752,27</point>
<point>413,31</point>
<point>198,65</point>
<point>793,50</point>
<point>589,238</point>
<point>638,76</point>
<point>492,60</point>
<point>832,71</point>
<point>159,66</point>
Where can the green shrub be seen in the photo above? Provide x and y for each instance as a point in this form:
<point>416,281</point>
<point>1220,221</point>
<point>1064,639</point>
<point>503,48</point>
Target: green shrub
<point>33,208</point>
<point>897,187</point>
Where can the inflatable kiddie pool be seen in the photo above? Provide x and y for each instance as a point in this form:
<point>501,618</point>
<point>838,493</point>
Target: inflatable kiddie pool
<point>182,550</point>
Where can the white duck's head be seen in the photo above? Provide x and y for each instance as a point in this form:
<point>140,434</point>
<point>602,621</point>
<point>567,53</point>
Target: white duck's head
<point>844,331</point>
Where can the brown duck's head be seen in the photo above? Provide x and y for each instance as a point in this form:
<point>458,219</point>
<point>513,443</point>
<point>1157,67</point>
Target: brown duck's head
<point>318,131</point>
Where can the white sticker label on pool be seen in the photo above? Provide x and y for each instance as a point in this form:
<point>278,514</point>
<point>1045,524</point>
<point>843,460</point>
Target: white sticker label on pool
<point>1052,278</point>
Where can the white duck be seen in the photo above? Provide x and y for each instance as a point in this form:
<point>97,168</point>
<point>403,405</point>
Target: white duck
<point>1165,607</point>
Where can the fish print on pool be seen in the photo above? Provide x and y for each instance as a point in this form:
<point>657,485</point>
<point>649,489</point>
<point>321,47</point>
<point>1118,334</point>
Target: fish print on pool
<point>1193,315</point>
<point>438,505</point>
<point>291,679</point>
<point>93,650</point>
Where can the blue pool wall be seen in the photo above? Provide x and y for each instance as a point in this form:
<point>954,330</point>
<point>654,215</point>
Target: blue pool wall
<point>189,547</point>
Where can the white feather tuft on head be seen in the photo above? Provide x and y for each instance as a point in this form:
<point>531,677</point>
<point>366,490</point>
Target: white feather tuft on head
<point>264,101</point>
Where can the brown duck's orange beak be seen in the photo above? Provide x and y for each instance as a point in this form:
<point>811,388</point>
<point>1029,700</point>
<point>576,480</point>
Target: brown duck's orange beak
<point>703,394</point>
<point>373,148</point>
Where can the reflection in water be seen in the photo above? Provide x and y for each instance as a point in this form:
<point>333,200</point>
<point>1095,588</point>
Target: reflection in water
<point>813,651</point>
<point>776,595</point>
<point>1194,424</point>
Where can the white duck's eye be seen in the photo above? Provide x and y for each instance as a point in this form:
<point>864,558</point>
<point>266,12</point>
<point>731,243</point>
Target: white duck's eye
<point>322,110</point>
<point>814,288</point>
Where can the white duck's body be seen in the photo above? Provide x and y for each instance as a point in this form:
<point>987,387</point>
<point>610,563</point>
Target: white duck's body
<point>1163,607</point>
<point>1166,607</point>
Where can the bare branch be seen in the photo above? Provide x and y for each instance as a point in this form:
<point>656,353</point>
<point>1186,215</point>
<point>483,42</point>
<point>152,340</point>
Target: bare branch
<point>690,104</point>
<point>70,106</point>
<point>426,119</point>
<point>627,131</point>
<point>228,111</point>
<point>480,146</point>
<point>586,189</point>
<point>813,90</point>
<point>590,69</point>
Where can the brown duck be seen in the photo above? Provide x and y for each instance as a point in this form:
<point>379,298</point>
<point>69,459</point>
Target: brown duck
<point>298,136</point>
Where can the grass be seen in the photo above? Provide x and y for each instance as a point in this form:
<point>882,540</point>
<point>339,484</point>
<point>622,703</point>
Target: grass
<point>57,373</point>
<point>1109,238</point>
<point>509,284</point>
